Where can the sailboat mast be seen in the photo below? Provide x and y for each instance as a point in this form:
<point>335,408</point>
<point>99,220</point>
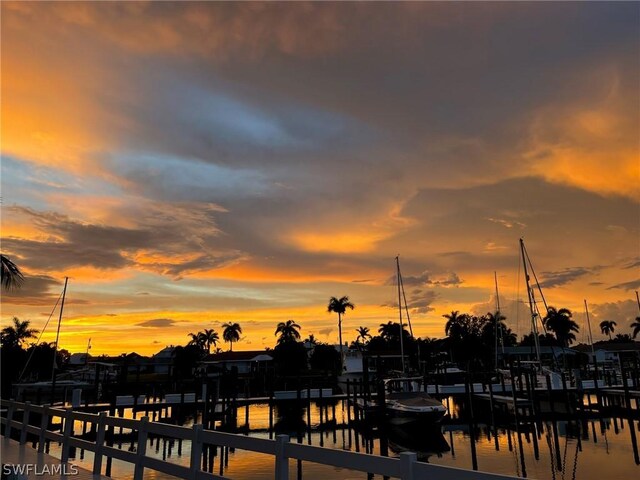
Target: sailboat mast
<point>55,350</point>
<point>400,312</point>
<point>497,318</point>
<point>638,299</point>
<point>586,311</point>
<point>406,311</point>
<point>534,326</point>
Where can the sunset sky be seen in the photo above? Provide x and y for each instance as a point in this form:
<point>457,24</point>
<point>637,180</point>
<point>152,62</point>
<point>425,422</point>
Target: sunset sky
<point>187,164</point>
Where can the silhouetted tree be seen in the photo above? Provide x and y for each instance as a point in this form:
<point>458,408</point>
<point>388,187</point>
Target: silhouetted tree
<point>198,340</point>
<point>561,324</point>
<point>288,331</point>
<point>623,338</point>
<point>210,337</point>
<point>607,327</point>
<point>544,340</point>
<point>17,334</point>
<point>290,358</point>
<point>10,275</point>
<point>363,333</point>
<point>456,325</point>
<point>231,333</point>
<point>185,360</point>
<point>339,306</point>
<point>326,358</point>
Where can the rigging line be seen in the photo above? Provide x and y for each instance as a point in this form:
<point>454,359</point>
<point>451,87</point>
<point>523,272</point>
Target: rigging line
<point>544,301</point>
<point>536,279</point>
<point>406,306</point>
<point>40,337</point>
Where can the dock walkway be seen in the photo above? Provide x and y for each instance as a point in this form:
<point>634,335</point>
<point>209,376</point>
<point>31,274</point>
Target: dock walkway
<point>25,463</point>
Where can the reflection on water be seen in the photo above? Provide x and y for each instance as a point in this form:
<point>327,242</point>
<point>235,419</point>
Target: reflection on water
<point>593,449</point>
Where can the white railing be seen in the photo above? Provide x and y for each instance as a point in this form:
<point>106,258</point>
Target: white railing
<point>406,467</point>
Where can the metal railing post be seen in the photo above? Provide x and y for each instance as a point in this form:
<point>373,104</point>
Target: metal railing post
<point>44,423</point>
<point>97,458</point>
<point>196,450</point>
<point>25,422</point>
<point>138,473</point>
<point>407,462</point>
<point>282,460</point>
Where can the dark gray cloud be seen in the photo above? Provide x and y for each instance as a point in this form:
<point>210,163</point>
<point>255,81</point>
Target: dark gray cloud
<point>179,241</point>
<point>425,279</point>
<point>564,276</point>
<point>36,290</point>
<point>157,323</point>
<point>632,285</point>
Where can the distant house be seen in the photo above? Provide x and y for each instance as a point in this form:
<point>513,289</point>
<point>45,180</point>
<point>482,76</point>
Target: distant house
<point>161,362</point>
<point>77,360</point>
<point>612,352</point>
<point>528,353</point>
<point>247,362</point>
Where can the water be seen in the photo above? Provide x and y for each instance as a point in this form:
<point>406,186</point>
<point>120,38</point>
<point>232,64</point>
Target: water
<point>587,450</point>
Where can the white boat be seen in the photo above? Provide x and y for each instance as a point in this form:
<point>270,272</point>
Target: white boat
<point>406,402</point>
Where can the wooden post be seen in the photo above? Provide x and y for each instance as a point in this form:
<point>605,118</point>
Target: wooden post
<point>138,473</point>
<point>44,423</point>
<point>348,404</point>
<point>282,461</point>
<point>110,434</point>
<point>271,414</point>
<point>25,421</point>
<point>97,458</point>
<point>68,431</point>
<point>10,412</point>
<point>309,413</point>
<point>407,462</point>
<point>196,450</point>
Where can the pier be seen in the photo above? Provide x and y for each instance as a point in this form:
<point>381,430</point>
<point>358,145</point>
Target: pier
<point>18,422</point>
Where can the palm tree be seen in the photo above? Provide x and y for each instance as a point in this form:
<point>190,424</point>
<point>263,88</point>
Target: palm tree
<point>14,336</point>
<point>231,333</point>
<point>288,331</point>
<point>389,330</point>
<point>561,324</point>
<point>10,275</point>
<point>636,327</point>
<point>339,306</point>
<point>457,325</point>
<point>210,337</point>
<point>607,327</point>
<point>198,339</point>
<point>363,333</point>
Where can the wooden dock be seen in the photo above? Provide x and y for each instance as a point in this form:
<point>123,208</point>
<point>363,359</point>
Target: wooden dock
<point>406,467</point>
<point>25,463</point>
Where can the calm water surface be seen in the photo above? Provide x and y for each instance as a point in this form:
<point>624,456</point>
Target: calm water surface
<point>586,450</point>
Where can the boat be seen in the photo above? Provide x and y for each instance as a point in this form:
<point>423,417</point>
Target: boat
<point>406,399</point>
<point>407,404</point>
